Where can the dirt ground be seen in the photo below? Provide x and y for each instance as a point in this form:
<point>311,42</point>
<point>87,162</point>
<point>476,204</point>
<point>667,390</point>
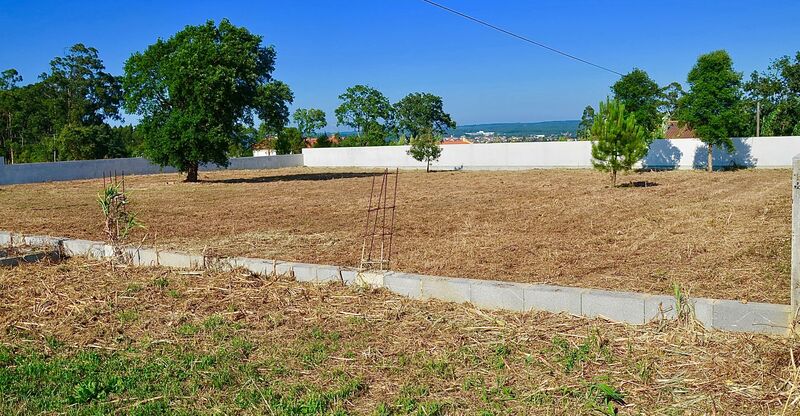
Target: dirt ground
<point>722,235</point>
<point>82,338</point>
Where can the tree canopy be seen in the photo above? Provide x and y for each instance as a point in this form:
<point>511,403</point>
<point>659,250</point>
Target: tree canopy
<point>641,97</point>
<point>77,93</point>
<point>585,126</point>
<point>713,106</point>
<point>194,89</point>
<point>309,120</point>
<point>425,147</point>
<point>420,112</point>
<point>369,112</point>
<point>778,92</point>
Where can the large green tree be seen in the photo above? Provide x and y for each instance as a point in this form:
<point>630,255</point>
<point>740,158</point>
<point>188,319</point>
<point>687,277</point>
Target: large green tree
<point>309,120</point>
<point>80,90</point>
<point>369,112</point>
<point>8,108</point>
<point>585,126</point>
<point>713,105</point>
<point>777,90</point>
<point>641,97</point>
<point>273,106</point>
<point>421,112</point>
<point>618,141</point>
<point>195,89</point>
<point>289,141</point>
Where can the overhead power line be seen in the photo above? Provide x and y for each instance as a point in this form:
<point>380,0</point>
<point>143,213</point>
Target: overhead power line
<point>520,37</point>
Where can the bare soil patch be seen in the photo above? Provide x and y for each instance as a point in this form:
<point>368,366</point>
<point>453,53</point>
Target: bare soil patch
<point>83,338</point>
<point>722,235</point>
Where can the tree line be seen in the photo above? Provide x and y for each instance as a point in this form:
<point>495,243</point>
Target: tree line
<point>718,105</point>
<point>202,96</point>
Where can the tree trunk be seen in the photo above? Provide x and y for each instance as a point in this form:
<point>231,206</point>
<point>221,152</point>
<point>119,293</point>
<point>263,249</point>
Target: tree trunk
<point>613,178</point>
<point>191,172</point>
<point>428,167</point>
<point>709,164</point>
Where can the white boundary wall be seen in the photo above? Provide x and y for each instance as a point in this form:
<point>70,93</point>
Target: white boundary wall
<point>89,169</point>
<point>762,152</point>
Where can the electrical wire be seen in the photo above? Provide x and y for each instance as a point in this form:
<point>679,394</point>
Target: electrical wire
<point>523,38</point>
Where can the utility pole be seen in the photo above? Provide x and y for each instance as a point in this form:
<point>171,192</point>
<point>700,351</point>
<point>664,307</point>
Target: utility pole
<point>758,119</point>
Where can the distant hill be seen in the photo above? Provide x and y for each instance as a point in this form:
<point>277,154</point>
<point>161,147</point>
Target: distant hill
<point>521,129</point>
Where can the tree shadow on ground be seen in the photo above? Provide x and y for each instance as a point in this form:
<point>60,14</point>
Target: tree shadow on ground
<point>298,177</point>
<point>637,184</point>
<point>662,155</point>
<point>740,158</point>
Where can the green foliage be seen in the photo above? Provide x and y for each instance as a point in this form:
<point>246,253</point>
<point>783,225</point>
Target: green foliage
<point>713,106</point>
<point>289,141</point>
<point>309,121</point>
<point>92,142</point>
<point>617,141</point>
<point>273,106</point>
<point>117,218</point>
<point>70,104</point>
<point>426,148</point>
<point>369,112</point>
<point>641,97</point>
<point>587,119</point>
<point>323,141</point>
<point>778,92</point>
<point>419,112</point>
<point>195,88</point>
<point>80,91</point>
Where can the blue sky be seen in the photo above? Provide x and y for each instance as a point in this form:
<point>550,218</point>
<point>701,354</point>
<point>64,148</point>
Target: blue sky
<point>402,46</point>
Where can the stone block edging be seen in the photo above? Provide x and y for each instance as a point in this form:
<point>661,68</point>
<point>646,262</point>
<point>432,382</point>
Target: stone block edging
<point>627,307</point>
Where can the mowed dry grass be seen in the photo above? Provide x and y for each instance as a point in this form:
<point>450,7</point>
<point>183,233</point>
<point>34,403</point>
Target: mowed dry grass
<point>723,235</point>
<point>163,341</point>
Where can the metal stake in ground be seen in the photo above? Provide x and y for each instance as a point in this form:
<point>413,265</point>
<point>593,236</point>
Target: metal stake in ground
<point>377,254</point>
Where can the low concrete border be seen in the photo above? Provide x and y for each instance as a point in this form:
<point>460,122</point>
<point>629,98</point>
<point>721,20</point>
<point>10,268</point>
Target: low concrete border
<point>628,307</point>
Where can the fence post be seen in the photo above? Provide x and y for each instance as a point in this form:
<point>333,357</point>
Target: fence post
<point>795,287</point>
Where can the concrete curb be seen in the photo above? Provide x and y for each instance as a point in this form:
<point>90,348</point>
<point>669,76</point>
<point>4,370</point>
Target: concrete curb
<point>627,307</point>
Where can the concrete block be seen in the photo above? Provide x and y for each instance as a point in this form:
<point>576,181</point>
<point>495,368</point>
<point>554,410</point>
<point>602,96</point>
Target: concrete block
<point>403,284</point>
<point>304,272</point>
<point>328,274</point>
<point>87,248</point>
<point>765,318</point>
<point>256,266</point>
<point>349,276</point>
<point>41,241</point>
<point>617,306</point>
<point>148,257</point>
<point>220,263</point>
<point>497,295</point>
<point>180,260</point>
<point>5,238</point>
<point>132,255</point>
<point>370,278</point>
<point>658,307</point>
<point>553,299</point>
<point>445,288</point>
<point>284,267</point>
<point>704,311</point>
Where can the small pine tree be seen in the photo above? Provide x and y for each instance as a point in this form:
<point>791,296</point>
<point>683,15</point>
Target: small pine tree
<point>617,141</point>
<point>425,147</point>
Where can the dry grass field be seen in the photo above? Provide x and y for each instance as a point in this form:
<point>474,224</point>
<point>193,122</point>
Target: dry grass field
<point>82,338</point>
<point>723,235</point>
